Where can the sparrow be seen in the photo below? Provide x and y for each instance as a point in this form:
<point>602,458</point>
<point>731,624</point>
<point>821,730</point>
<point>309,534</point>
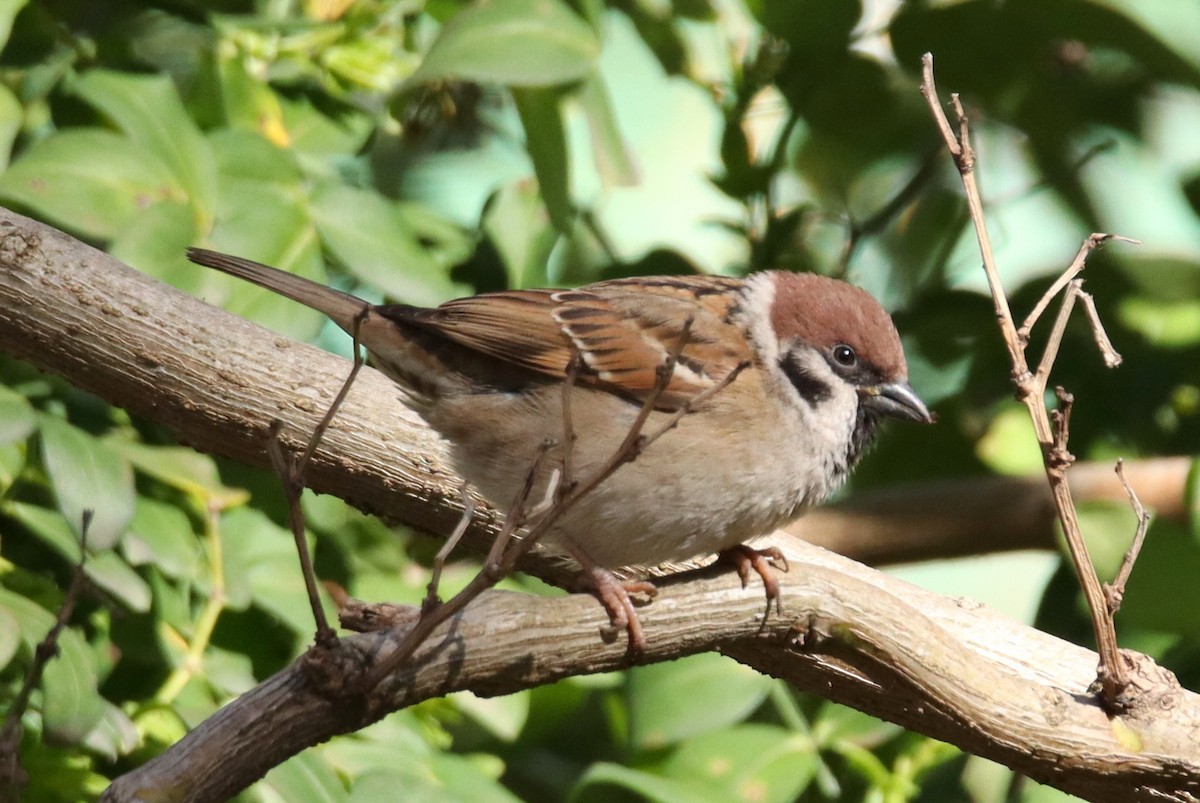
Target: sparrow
<point>817,365</point>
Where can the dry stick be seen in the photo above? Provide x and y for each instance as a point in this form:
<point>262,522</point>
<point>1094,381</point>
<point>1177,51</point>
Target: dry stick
<point>1115,591</point>
<point>327,419</point>
<point>1093,242</point>
<point>439,560</point>
<point>293,483</point>
<point>431,617</point>
<point>291,473</point>
<point>1041,377</point>
<point>1111,357</point>
<point>12,776</point>
<point>1112,676</point>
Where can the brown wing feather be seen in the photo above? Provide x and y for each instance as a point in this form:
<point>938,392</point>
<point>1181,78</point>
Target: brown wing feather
<point>515,326</point>
<point>623,329</point>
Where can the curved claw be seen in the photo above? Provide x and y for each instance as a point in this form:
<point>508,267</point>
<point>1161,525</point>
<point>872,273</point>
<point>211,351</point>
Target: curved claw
<point>615,595</point>
<point>745,558</point>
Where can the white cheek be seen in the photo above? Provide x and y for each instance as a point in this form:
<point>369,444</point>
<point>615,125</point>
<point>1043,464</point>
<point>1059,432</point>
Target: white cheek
<point>757,301</point>
<point>821,427</point>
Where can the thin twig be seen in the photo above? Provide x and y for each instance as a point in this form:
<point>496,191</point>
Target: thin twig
<point>1112,358</point>
<point>327,419</point>
<point>1112,676</point>
<point>288,469</point>
<point>1115,591</point>
<point>929,90</point>
<point>1094,241</point>
<point>1042,375</point>
<point>518,512</point>
<point>292,471</point>
<point>439,560</point>
<point>12,776</point>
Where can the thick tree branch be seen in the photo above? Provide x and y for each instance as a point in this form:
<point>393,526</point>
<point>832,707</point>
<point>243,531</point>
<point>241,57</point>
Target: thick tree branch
<point>944,667</point>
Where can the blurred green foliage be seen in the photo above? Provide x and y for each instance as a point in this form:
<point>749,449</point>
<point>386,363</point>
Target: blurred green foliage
<point>421,150</point>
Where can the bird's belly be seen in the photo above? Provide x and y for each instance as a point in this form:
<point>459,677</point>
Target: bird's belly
<point>687,494</point>
<point>664,506</point>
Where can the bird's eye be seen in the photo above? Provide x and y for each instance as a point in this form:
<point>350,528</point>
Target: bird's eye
<point>844,356</point>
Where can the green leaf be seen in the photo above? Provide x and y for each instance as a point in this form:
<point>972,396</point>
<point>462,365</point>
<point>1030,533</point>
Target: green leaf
<point>1164,31</point>
<point>89,181</point>
<point>108,571</point>
<point>17,418</point>
<point>517,43</point>
<point>12,462</point>
<point>11,118</point>
<point>662,698</point>
<point>1010,446</point>
<point>161,535</point>
<point>48,526</point>
<point>261,568</point>
<point>747,762</point>
<point>836,723</point>
<point>546,142</point>
<point>71,703</point>
<point>313,133</point>
<point>115,734</point>
<point>647,785</point>
<point>306,777</point>
<point>502,716</point>
<point>441,777</point>
<point>87,473</point>
<point>252,157</point>
<point>471,778</point>
<point>181,468</point>
<point>148,109</point>
<point>104,569</point>
<point>158,243</point>
<point>1166,324</point>
<point>395,742</point>
<point>10,635</point>
<point>1108,529</point>
<point>614,162</point>
<point>371,237</point>
<point>1168,558</point>
<point>268,222</point>
<point>674,204</point>
<point>516,226</point>
<point>1192,499</point>
<point>8,12</point>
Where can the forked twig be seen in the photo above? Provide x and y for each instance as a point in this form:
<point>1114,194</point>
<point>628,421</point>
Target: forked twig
<point>1112,676</point>
<point>1094,241</point>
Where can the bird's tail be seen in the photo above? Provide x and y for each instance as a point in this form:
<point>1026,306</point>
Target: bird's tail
<point>342,308</point>
<point>421,374</point>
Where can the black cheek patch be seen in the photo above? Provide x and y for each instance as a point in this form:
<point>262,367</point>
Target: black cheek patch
<point>811,389</point>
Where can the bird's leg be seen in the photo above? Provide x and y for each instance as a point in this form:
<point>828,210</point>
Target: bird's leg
<point>614,594</point>
<point>744,558</point>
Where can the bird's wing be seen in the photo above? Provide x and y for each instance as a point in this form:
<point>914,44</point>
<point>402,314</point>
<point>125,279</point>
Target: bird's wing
<point>623,330</point>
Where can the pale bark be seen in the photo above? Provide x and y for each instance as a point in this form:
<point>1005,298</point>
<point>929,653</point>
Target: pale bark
<point>945,667</point>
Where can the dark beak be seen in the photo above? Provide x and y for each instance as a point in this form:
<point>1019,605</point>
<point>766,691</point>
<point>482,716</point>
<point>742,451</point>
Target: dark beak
<point>898,400</point>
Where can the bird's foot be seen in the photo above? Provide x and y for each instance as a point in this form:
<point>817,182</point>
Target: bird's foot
<point>745,558</point>
<point>615,595</point>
